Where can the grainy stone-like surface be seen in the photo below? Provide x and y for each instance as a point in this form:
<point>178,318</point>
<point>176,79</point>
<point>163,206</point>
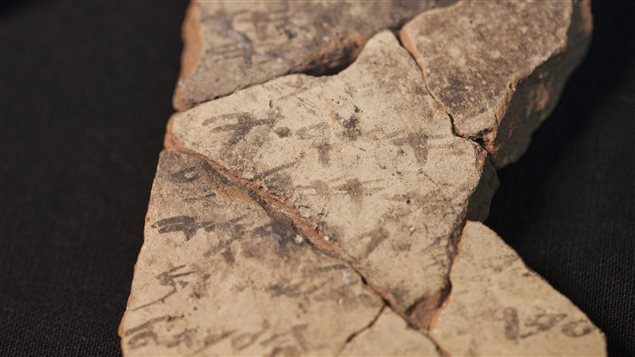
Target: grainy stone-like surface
<point>220,275</point>
<point>327,215</point>
<point>498,306</point>
<point>390,336</point>
<point>499,67</point>
<point>234,44</point>
<point>366,156</point>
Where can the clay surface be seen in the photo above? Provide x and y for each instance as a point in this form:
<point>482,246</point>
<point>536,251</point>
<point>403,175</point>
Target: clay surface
<point>221,275</point>
<point>230,45</point>
<point>498,306</point>
<point>366,158</point>
<point>498,68</point>
<point>389,336</point>
<point>332,215</point>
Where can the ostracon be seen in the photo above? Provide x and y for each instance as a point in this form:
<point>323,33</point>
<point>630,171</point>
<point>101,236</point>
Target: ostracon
<point>498,68</point>
<point>222,274</point>
<point>229,45</point>
<point>498,306</point>
<point>333,215</point>
<point>367,188</point>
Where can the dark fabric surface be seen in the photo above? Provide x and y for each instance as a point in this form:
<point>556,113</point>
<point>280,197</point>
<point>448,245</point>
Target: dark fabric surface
<point>85,92</point>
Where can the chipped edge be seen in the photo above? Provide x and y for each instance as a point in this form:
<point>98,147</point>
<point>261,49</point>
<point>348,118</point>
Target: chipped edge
<point>576,43</point>
<point>190,55</point>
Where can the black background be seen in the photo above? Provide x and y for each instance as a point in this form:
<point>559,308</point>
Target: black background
<point>85,92</point>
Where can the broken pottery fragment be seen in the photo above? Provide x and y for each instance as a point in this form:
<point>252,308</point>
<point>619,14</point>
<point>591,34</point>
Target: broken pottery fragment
<point>498,306</point>
<point>230,45</point>
<point>365,159</point>
<point>221,275</point>
<point>302,215</point>
<point>389,336</point>
<point>498,67</point>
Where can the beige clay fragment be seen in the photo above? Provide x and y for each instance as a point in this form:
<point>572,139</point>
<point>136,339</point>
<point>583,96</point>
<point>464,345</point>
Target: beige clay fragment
<point>390,335</point>
<point>498,306</point>
<point>327,215</point>
<point>498,67</point>
<point>219,274</point>
<point>230,45</point>
<point>366,158</point>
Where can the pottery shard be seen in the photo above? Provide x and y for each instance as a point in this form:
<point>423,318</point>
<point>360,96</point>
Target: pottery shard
<point>498,67</point>
<point>365,160</point>
<point>327,215</point>
<point>234,44</point>
<point>219,274</point>
<point>498,306</point>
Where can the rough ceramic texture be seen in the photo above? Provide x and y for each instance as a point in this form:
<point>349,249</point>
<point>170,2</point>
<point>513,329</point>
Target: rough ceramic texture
<point>234,44</point>
<point>499,67</point>
<point>389,336</point>
<point>219,274</point>
<point>327,215</point>
<point>366,156</point>
<point>498,306</point>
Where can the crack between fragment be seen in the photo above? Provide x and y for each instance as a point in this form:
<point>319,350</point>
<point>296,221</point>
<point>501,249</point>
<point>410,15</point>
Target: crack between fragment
<point>352,336</point>
<point>349,55</point>
<point>410,47</point>
<point>276,208</point>
<point>266,200</point>
<point>421,321</point>
<point>408,44</point>
<point>445,294</point>
<point>308,230</point>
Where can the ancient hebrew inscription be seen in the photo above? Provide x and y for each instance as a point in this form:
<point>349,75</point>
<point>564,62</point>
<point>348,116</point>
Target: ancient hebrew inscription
<point>498,67</point>
<point>230,45</point>
<point>499,307</point>
<point>334,215</point>
<point>232,277</point>
<point>370,186</point>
